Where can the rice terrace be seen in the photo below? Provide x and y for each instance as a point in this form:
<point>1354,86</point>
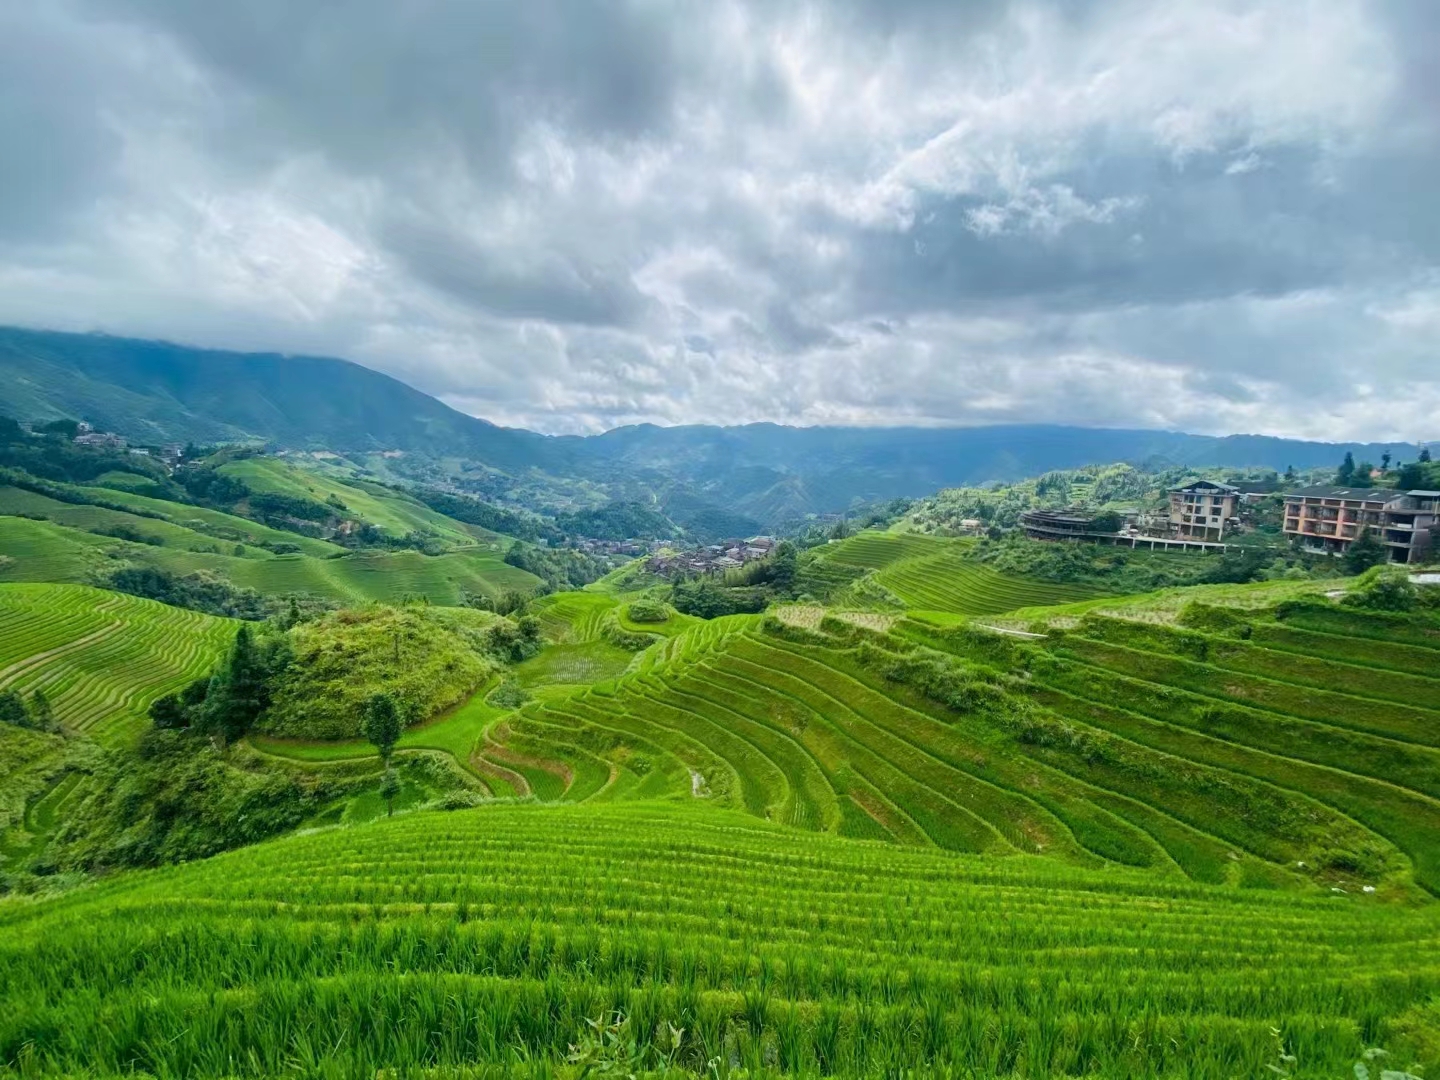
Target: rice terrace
<point>885,803</point>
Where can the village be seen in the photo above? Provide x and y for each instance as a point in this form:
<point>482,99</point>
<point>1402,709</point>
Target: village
<point>710,559</point>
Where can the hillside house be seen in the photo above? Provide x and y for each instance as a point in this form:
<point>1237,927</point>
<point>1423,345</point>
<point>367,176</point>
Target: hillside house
<point>1202,510</point>
<point>1327,520</point>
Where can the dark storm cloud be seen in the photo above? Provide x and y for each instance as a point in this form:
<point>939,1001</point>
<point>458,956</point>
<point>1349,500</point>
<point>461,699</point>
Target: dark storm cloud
<point>571,214</point>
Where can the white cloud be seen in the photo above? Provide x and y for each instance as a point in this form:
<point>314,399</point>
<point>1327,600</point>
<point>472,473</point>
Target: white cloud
<point>1148,211</point>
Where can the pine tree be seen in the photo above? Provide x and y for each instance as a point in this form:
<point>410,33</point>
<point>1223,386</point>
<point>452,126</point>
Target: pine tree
<point>238,693</point>
<point>1346,474</point>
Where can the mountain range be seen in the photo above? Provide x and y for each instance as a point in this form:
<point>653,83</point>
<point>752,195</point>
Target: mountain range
<point>156,392</point>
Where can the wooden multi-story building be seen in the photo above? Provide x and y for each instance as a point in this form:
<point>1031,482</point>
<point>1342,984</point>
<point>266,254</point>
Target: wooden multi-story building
<point>1328,520</point>
<point>1202,510</point>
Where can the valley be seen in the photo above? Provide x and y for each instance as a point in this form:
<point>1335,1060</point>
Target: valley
<point>314,769</point>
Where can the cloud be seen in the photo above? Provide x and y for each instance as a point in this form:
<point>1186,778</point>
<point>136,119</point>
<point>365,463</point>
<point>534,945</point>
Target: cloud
<point>570,215</point>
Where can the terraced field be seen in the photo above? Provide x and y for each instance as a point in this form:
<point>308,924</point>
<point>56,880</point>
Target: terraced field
<point>431,943</point>
<point>934,574</point>
<point>390,511</point>
<point>42,551</point>
<point>102,657</point>
<point>215,523</point>
<point>1261,767</point>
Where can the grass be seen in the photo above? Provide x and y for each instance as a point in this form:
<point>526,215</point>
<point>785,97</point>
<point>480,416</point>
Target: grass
<point>102,657</point>
<point>574,664</point>
<point>489,937</point>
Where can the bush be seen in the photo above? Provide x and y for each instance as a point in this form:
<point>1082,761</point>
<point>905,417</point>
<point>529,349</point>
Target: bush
<point>508,695</point>
<point>648,611</point>
<point>1382,589</point>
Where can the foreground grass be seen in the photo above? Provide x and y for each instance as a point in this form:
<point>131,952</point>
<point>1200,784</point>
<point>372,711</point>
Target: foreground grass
<point>434,942</point>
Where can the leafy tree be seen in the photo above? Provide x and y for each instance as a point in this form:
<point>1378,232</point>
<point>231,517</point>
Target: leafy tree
<point>1291,476</point>
<point>381,724</point>
<point>1108,522</point>
<point>168,713</point>
<point>1345,476</point>
<point>1366,551</point>
<point>68,428</point>
<point>389,788</point>
<point>1424,455</point>
<point>41,713</point>
<point>1385,461</point>
<point>1411,476</point>
<point>12,709</point>
<point>1363,471</point>
<point>195,693</point>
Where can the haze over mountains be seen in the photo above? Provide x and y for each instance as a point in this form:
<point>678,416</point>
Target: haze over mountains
<point>153,392</point>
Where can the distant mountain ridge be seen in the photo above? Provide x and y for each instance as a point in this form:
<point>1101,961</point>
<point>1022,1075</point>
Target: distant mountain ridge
<point>154,392</point>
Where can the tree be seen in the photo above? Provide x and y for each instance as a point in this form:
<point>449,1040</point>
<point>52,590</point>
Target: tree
<point>1291,476</point>
<point>1366,551</point>
<point>1424,455</point>
<point>1107,522</point>
<point>12,709</point>
<point>1345,476</point>
<point>381,724</point>
<point>1411,476</point>
<point>41,714</point>
<point>238,691</point>
<point>1385,461</point>
<point>1363,470</point>
<point>167,713</point>
<point>389,788</point>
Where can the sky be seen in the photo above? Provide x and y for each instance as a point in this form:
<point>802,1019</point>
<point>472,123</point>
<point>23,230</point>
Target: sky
<point>1202,215</point>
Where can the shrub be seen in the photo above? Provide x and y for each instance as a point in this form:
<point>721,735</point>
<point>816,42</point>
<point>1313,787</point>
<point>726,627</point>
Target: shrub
<point>1384,589</point>
<point>648,611</point>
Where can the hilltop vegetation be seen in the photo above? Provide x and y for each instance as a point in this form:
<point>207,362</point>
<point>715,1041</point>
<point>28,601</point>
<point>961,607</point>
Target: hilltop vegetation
<point>427,659</point>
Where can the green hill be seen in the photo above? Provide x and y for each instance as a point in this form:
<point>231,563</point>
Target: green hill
<point>391,511</point>
<point>43,551</point>
<point>715,481</point>
<point>440,945</point>
<point>427,658</point>
<point>156,392</point>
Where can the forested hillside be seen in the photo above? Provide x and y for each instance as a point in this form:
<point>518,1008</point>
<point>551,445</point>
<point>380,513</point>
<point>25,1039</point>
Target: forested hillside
<point>716,479</point>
